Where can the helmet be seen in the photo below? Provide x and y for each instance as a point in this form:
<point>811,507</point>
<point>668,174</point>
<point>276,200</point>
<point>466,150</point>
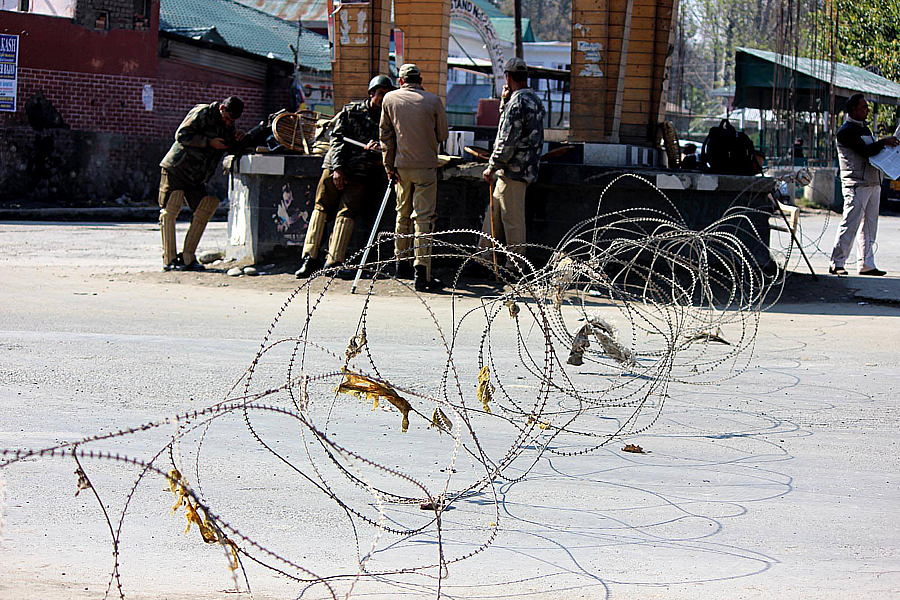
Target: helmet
<point>381,81</point>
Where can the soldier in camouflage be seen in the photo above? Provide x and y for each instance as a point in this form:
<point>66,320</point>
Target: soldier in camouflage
<point>201,141</point>
<point>347,172</point>
<point>515,159</point>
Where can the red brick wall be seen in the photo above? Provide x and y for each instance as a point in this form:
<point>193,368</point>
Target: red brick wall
<point>96,79</point>
<point>113,103</point>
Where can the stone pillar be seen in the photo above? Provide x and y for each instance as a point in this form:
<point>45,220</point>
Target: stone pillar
<point>362,40</point>
<point>620,58</point>
<point>426,28</point>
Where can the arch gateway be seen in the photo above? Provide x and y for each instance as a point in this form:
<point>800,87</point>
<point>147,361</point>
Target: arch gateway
<point>469,12</point>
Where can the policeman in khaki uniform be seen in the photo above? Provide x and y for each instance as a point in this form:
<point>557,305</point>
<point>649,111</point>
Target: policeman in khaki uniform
<point>515,159</point>
<point>348,171</point>
<point>201,141</point>
<point>413,124</point>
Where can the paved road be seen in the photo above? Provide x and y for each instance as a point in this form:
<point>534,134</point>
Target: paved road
<point>779,483</point>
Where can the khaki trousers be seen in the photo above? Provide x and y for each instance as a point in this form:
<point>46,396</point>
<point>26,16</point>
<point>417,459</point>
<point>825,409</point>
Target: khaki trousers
<point>416,204</point>
<point>509,214</point>
<point>173,191</point>
<point>331,202</point>
<point>861,206</point>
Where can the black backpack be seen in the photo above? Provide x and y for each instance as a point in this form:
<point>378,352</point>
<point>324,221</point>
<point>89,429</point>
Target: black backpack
<point>729,152</point>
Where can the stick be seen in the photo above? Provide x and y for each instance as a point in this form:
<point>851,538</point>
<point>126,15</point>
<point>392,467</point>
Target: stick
<point>793,236</point>
<point>355,143</point>
<point>493,248</point>
<point>362,262</point>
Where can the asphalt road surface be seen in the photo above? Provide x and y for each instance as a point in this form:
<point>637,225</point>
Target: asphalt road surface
<point>782,482</point>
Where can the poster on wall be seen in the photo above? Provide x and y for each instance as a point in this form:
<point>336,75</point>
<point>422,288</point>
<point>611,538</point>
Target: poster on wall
<point>9,67</point>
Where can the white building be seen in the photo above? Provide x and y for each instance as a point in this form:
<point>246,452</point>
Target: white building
<point>466,85</point>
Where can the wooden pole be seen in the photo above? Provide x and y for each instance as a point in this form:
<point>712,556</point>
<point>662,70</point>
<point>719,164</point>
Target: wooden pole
<point>493,234</point>
<point>520,51</point>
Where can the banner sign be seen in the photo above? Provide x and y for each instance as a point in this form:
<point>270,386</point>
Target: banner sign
<point>399,54</point>
<point>9,69</point>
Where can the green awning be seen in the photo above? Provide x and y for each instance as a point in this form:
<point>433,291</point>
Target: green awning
<point>758,72</point>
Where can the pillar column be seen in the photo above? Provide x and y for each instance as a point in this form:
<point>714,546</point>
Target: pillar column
<point>426,29</point>
<point>362,41</point>
<point>620,59</point>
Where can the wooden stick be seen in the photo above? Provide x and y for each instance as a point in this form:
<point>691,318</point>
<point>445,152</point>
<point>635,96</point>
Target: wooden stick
<point>793,236</point>
<point>493,235</point>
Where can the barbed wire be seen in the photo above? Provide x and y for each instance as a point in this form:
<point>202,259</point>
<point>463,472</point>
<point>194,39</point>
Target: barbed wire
<point>560,359</point>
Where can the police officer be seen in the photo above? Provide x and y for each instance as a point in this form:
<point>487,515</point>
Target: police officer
<point>201,140</point>
<point>514,161</point>
<point>346,170</point>
<point>413,124</point>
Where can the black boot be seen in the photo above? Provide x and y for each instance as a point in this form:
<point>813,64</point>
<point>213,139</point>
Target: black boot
<point>310,265</point>
<point>194,266</point>
<point>403,270</point>
<point>175,265</point>
<point>340,270</point>
<point>347,273</point>
<point>422,283</point>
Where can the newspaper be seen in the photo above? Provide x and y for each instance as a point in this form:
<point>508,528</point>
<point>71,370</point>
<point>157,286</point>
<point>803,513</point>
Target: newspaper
<point>888,160</point>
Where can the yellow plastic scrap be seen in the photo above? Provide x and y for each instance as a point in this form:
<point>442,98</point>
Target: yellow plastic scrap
<point>513,308</point>
<point>207,529</point>
<point>540,424</point>
<point>356,345</point>
<point>177,488</point>
<point>233,559</point>
<point>485,388</point>
<point>363,387</point>
<point>190,513</point>
<point>440,421</point>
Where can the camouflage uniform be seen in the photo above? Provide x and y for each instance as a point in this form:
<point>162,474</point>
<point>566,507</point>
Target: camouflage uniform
<point>357,121</point>
<point>515,159</point>
<point>186,168</point>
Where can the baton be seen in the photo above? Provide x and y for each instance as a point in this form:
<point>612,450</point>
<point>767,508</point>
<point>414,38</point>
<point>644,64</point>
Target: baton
<point>362,262</point>
<point>354,142</point>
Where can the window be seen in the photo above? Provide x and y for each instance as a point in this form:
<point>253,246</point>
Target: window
<point>141,14</point>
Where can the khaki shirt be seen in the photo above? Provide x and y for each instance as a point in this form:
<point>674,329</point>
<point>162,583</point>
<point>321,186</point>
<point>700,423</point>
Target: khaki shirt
<point>413,123</point>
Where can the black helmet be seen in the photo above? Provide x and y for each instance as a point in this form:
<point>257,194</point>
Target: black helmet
<point>381,81</point>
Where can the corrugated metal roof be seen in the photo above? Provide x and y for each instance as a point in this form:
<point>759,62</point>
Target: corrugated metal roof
<point>847,78</point>
<point>246,28</point>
